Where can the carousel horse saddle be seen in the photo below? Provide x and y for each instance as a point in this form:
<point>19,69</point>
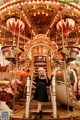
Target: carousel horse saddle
<point>9,104</point>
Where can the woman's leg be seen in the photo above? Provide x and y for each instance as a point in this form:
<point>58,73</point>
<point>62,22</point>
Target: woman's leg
<point>39,107</point>
<point>38,110</point>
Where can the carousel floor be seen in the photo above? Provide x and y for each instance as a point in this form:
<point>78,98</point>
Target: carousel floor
<point>61,110</point>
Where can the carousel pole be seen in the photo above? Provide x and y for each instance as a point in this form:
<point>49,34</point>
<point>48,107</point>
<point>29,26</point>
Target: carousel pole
<point>53,93</point>
<point>65,67</point>
<point>16,67</point>
<point>3,56</point>
<point>54,96</point>
<point>27,96</point>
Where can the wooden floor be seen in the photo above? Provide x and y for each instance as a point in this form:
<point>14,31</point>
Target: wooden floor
<point>61,111</point>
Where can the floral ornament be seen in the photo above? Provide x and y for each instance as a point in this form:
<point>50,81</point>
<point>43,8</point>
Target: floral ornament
<point>16,51</point>
<point>61,55</point>
<point>57,57</point>
<point>65,51</point>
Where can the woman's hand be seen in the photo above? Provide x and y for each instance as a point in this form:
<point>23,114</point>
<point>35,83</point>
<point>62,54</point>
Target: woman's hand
<point>45,74</point>
<point>34,83</point>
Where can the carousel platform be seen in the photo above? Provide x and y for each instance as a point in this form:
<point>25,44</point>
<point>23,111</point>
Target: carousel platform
<point>75,118</point>
<point>46,117</point>
<point>61,111</point>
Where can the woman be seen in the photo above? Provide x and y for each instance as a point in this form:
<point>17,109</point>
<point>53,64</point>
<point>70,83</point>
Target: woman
<point>41,95</point>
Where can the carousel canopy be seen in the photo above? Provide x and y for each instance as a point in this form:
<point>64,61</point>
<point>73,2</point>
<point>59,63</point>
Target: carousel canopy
<point>28,18</point>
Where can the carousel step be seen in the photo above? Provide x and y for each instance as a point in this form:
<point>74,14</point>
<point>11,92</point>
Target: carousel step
<point>44,107</point>
<point>33,87</point>
<point>39,61</point>
<point>44,110</point>
<point>35,103</point>
<point>40,64</point>
<point>36,68</point>
<point>36,63</point>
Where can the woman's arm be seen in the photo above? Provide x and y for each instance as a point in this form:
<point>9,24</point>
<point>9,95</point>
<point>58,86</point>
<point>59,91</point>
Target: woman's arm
<point>35,82</point>
<point>47,81</point>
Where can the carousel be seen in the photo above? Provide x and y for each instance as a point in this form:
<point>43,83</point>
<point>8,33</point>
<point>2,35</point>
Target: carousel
<point>33,34</point>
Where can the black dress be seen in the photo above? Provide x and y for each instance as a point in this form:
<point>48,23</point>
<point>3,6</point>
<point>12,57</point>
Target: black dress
<point>41,91</point>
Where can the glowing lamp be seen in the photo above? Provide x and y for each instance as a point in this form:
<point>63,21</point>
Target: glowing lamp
<point>65,26</point>
<point>15,25</point>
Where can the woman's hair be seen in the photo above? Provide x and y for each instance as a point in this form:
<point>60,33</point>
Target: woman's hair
<point>44,72</point>
<point>40,69</point>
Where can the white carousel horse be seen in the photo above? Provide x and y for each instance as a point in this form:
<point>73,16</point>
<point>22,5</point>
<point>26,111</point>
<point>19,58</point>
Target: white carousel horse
<point>65,92</point>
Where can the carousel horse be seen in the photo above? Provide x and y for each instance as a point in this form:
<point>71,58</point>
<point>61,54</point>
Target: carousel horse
<point>70,86</point>
<point>7,91</point>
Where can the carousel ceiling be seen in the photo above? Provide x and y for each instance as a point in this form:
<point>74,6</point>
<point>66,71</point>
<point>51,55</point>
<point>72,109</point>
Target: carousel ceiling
<point>21,21</point>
